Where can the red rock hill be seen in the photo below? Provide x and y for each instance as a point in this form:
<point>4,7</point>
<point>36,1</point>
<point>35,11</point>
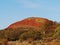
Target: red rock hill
<point>32,21</point>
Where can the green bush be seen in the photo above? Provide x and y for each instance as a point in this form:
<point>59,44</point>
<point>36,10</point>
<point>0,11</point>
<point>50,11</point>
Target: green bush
<point>34,34</point>
<point>13,34</point>
<point>57,32</point>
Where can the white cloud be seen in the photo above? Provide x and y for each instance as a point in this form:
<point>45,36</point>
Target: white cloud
<point>29,4</point>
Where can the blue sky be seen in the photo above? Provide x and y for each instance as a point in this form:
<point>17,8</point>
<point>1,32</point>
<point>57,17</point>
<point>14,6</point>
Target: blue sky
<point>15,10</point>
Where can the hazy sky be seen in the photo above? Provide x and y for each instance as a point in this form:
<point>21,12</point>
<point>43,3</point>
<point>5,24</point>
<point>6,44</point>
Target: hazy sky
<point>15,10</point>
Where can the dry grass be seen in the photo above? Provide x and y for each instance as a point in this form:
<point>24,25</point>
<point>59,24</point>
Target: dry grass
<point>34,43</point>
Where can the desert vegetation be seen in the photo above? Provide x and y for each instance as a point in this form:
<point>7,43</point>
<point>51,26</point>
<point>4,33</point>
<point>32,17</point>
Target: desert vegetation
<point>47,33</point>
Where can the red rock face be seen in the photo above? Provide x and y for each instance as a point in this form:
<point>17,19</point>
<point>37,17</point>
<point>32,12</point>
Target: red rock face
<point>33,21</point>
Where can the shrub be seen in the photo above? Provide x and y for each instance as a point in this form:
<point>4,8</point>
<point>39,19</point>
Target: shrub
<point>34,34</point>
<point>13,34</point>
<point>57,32</point>
<point>2,34</point>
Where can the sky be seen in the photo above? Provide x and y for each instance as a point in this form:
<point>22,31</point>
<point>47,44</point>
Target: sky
<point>16,10</point>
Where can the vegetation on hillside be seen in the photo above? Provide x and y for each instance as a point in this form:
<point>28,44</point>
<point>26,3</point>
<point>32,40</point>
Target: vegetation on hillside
<point>37,29</point>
